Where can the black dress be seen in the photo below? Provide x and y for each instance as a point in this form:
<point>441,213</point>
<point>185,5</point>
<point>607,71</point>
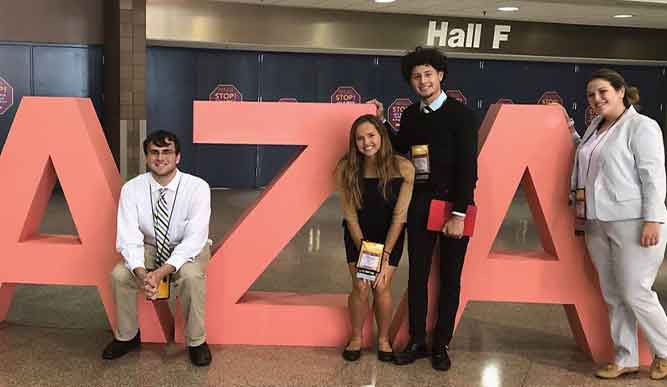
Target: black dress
<point>375,218</point>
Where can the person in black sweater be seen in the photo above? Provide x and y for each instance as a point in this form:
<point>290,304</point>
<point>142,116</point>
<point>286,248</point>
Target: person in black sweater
<point>440,134</point>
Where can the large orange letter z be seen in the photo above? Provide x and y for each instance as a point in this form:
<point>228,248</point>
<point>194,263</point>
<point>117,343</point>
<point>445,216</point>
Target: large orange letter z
<point>233,314</point>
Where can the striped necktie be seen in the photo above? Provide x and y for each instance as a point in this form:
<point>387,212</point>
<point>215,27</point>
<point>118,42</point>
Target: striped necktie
<point>161,222</point>
<point>427,110</point>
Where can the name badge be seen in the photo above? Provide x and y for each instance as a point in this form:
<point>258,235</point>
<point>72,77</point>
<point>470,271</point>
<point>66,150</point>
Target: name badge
<point>579,211</point>
<point>369,263</point>
<point>420,159</point>
<point>163,288</point>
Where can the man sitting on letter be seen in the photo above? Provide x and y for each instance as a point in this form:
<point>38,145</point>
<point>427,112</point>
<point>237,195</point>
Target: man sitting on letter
<point>162,234</point>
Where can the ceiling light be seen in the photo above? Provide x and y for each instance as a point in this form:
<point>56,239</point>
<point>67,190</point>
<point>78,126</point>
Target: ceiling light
<point>623,16</point>
<point>508,9</point>
<point>384,1</point>
<point>649,1</point>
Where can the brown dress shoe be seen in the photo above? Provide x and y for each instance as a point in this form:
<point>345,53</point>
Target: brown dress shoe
<point>658,368</point>
<point>612,371</point>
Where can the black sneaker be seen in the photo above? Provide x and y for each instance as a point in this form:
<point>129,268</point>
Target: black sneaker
<point>440,359</point>
<point>200,355</point>
<point>117,348</point>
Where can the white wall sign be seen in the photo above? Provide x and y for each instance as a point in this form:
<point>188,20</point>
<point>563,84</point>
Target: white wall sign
<point>468,37</point>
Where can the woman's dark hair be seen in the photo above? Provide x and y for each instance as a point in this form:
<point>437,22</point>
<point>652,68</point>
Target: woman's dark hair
<point>618,82</point>
<point>162,138</point>
<point>423,56</point>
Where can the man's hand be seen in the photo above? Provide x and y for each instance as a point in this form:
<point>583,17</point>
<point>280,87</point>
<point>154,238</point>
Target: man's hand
<point>153,279</point>
<point>379,113</point>
<point>454,227</point>
<point>140,275</point>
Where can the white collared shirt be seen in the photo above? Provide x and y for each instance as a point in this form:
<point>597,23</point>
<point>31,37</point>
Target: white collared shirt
<point>188,228</point>
<point>589,164</point>
<point>436,104</point>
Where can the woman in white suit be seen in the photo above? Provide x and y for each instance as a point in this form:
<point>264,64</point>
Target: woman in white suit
<point>619,184</point>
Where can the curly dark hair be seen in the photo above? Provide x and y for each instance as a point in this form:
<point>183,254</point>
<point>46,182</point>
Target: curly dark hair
<point>423,56</point>
<point>162,138</point>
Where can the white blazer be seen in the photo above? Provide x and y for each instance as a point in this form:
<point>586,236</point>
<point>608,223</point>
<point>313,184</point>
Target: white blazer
<point>631,180</point>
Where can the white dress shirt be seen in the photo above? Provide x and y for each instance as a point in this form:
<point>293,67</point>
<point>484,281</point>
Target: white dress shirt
<point>589,164</point>
<point>436,104</point>
<point>188,228</point>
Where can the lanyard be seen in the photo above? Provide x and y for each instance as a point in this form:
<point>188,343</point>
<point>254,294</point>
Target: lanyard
<point>600,139</point>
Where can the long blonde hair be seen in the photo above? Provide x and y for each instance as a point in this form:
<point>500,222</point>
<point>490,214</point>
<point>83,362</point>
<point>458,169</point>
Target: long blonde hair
<point>352,164</point>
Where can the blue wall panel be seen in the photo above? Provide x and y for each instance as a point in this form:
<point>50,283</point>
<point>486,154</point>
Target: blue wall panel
<point>227,165</point>
<point>63,71</point>
<point>170,91</point>
<point>14,69</point>
<point>389,81</point>
<point>283,76</point>
<point>315,77</point>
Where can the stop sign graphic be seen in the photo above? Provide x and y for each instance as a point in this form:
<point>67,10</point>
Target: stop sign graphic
<point>345,94</point>
<point>225,93</point>
<point>6,96</point>
<point>504,101</point>
<point>287,99</point>
<point>457,95</point>
<point>396,110</point>
<point>550,97</point>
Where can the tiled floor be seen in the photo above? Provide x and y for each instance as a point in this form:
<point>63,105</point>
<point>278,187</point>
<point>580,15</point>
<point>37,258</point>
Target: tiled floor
<point>54,334</point>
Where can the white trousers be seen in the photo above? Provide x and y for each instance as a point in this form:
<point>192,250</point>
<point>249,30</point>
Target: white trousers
<point>627,272</point>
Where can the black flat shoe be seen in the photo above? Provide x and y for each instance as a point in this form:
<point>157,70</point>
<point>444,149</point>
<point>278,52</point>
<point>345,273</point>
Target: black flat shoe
<point>387,357</point>
<point>351,355</point>
<point>200,355</point>
<point>117,348</point>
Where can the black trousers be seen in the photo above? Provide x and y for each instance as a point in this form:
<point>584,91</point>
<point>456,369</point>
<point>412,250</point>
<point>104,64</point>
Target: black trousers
<point>420,251</point>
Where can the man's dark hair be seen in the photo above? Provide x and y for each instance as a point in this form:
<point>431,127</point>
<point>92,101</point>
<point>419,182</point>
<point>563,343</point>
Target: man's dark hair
<point>423,56</point>
<point>162,138</point>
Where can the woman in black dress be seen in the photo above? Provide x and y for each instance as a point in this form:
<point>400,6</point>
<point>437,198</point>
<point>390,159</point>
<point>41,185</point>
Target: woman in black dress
<point>375,185</point>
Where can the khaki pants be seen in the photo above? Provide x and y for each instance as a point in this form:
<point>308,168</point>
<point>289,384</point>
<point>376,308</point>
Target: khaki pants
<point>188,284</point>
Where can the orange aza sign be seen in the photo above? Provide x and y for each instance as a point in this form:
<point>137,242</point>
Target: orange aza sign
<point>61,138</point>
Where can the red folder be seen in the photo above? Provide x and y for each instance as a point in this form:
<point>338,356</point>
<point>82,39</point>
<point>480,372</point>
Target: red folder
<point>440,212</point>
